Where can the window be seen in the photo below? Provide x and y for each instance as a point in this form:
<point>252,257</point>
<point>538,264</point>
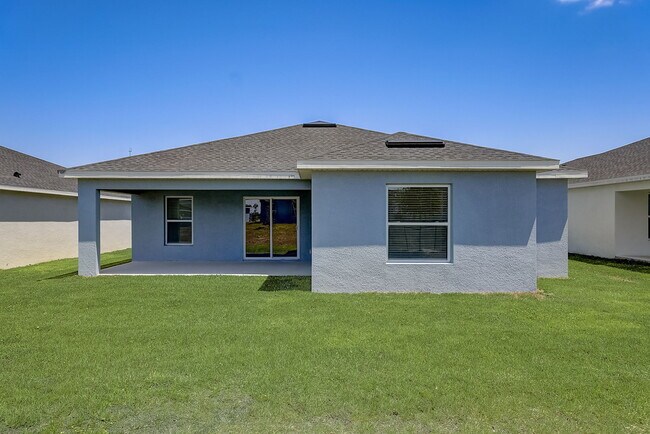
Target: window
<point>648,216</point>
<point>178,220</point>
<point>271,228</point>
<point>418,223</point>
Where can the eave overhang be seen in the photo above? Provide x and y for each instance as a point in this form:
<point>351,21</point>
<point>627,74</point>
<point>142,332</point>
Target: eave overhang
<point>305,168</point>
<point>87,174</point>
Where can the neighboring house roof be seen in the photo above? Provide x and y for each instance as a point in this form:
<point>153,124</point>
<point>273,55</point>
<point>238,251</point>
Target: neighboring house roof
<point>22,172</point>
<point>33,172</point>
<point>281,151</point>
<point>622,164</point>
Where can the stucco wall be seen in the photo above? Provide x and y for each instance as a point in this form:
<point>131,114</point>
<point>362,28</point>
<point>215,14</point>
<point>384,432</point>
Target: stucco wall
<point>632,223</point>
<point>552,228</point>
<point>493,233</point>
<point>592,218</point>
<point>40,227</point>
<point>218,226</point>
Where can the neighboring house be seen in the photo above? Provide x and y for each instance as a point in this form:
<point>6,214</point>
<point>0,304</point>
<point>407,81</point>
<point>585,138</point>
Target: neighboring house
<point>359,210</point>
<point>38,213</point>
<point>609,212</point>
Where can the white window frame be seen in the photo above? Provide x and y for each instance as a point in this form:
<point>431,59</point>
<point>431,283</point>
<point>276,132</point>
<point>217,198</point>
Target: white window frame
<point>271,257</point>
<point>191,221</point>
<point>446,260</point>
<point>648,222</point>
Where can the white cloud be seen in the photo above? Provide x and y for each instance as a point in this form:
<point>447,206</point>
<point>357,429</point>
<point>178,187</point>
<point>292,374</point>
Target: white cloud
<point>594,4</point>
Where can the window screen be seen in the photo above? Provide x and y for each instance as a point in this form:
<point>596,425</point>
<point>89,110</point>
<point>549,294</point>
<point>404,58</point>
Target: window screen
<point>418,222</point>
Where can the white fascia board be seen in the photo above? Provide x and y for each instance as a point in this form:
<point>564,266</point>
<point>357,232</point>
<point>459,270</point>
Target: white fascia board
<point>562,174</point>
<point>78,174</point>
<point>58,193</point>
<point>610,181</point>
<point>429,165</point>
<point>38,190</point>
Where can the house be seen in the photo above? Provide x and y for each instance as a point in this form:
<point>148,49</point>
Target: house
<point>609,212</point>
<point>38,213</point>
<point>358,210</point>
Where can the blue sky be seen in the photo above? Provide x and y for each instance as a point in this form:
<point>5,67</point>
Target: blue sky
<point>84,81</point>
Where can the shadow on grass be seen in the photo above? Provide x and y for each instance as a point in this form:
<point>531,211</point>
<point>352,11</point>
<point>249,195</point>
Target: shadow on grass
<point>74,273</point>
<point>624,264</point>
<point>286,283</point>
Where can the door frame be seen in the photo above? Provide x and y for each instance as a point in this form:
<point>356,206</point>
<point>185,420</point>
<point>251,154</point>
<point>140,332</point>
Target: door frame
<point>271,257</point>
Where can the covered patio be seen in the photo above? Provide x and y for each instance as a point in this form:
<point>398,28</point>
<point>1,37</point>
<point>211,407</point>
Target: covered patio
<point>211,226</point>
<point>199,268</point>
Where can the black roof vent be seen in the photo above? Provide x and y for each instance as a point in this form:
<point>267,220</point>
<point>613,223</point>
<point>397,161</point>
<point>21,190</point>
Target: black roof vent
<point>17,174</point>
<point>414,144</point>
<point>319,124</point>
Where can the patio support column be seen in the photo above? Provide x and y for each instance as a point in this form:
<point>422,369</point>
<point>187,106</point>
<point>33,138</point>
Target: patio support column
<point>88,208</point>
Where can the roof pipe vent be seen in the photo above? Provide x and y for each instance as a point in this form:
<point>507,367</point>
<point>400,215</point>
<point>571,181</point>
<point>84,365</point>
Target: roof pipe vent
<point>319,124</point>
<point>414,144</point>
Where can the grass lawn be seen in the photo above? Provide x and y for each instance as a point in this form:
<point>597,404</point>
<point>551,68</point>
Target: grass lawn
<point>212,353</point>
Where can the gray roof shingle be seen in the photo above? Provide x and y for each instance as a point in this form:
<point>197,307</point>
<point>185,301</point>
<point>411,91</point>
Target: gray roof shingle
<point>376,150</point>
<point>626,161</point>
<point>34,172</point>
<point>280,150</point>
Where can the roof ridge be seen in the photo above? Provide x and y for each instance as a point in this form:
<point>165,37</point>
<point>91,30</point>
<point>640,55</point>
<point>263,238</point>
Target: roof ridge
<point>187,146</point>
<point>618,148</point>
<point>215,141</point>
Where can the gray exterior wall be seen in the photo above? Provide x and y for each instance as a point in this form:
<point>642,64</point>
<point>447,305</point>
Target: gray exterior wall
<point>218,225</point>
<point>552,228</point>
<point>493,218</point>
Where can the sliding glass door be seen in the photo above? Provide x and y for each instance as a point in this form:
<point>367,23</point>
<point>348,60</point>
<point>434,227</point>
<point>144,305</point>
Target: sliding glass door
<point>271,227</point>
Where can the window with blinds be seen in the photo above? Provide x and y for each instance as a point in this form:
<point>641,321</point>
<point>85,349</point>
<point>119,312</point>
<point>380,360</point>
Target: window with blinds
<point>418,223</point>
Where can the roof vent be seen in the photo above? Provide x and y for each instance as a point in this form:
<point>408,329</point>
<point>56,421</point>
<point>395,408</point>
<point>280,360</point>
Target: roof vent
<point>17,174</point>
<point>414,144</point>
<point>319,124</point>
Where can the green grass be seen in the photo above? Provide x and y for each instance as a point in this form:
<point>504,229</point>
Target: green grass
<point>212,353</point>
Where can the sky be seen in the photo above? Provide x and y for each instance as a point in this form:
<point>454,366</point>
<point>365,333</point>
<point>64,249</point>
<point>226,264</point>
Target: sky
<point>85,81</point>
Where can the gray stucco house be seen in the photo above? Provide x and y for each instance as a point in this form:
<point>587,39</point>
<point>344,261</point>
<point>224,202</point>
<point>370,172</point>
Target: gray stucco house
<point>358,210</point>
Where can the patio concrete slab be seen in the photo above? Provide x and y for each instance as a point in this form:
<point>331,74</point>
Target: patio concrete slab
<point>200,268</point>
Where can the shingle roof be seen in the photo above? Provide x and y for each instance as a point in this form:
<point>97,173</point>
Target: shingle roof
<point>376,150</point>
<point>34,172</point>
<point>626,161</point>
<point>280,150</point>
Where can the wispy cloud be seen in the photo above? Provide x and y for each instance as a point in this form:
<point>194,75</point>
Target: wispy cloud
<point>595,4</point>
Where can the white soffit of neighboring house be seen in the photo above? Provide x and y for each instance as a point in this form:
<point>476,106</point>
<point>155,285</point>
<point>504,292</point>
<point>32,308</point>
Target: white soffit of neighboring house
<point>113,196</point>
<point>611,181</point>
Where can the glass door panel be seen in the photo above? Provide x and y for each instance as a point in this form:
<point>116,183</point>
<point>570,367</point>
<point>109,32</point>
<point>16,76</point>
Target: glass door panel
<point>258,228</point>
<point>285,228</point>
